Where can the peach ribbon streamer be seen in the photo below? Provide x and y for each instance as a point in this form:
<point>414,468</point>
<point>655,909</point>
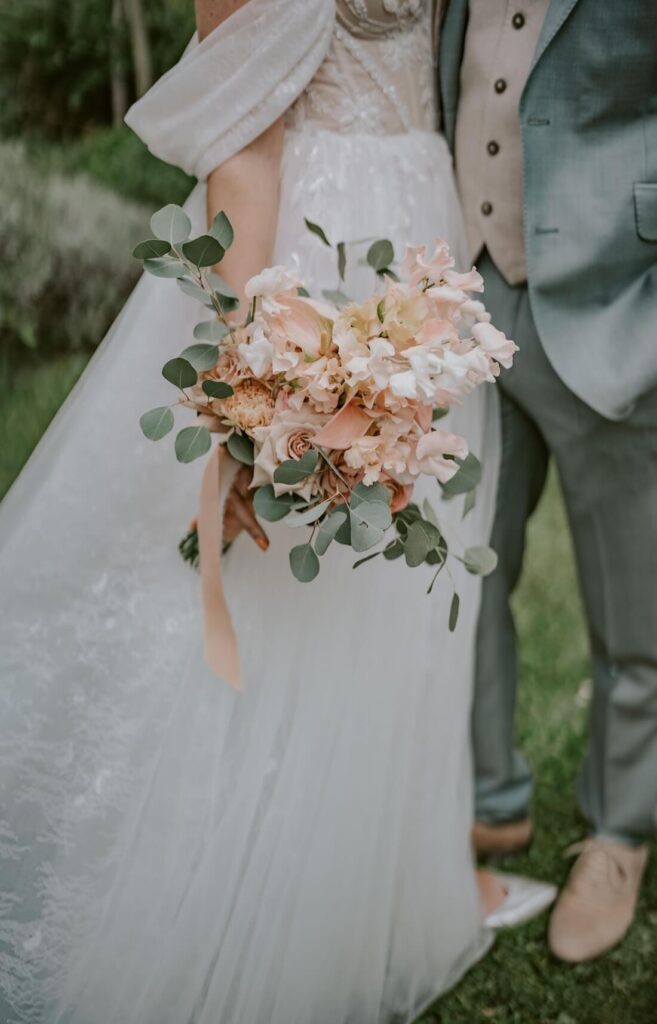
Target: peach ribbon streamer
<point>221,648</point>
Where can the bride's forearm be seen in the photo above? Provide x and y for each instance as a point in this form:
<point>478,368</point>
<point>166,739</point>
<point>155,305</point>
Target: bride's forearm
<point>246,187</point>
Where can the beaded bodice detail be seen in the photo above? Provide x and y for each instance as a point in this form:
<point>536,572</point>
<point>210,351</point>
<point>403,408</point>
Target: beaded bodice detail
<point>378,76</point>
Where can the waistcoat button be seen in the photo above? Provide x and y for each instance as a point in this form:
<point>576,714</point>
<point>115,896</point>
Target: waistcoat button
<point>500,85</point>
<point>518,20</point>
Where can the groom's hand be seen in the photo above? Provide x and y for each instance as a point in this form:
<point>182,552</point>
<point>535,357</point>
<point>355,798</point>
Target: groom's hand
<point>239,514</point>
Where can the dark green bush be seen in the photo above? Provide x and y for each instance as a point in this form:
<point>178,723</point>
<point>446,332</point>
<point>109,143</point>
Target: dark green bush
<point>55,60</point>
<point>115,157</point>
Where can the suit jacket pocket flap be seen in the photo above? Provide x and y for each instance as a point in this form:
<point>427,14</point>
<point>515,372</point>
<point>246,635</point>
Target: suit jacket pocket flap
<point>645,208</point>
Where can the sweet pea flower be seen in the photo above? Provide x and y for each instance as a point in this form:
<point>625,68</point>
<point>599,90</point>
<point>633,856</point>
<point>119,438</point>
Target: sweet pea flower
<point>495,343</point>
<point>470,282</point>
<point>269,284</point>
<point>257,352</point>
<point>430,455</point>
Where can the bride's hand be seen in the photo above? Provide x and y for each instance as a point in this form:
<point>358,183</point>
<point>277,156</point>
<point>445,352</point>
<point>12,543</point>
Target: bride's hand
<point>239,514</point>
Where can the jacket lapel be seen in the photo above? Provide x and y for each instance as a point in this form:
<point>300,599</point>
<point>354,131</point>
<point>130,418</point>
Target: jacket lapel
<point>556,15</point>
<point>450,20</point>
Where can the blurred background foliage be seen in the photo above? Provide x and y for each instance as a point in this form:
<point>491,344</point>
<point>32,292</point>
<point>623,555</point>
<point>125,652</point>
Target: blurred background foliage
<point>76,185</point>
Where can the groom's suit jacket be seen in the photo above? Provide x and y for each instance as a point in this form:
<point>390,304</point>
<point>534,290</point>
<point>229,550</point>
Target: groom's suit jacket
<point>588,118</point>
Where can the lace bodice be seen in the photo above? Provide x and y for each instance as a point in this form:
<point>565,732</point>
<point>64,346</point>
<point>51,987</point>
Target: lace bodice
<point>378,75</point>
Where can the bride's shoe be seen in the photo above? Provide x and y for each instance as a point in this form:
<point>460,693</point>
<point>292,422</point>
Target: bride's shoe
<point>524,899</point>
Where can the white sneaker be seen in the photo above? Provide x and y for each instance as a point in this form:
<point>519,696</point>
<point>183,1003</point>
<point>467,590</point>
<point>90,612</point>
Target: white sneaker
<point>525,899</point>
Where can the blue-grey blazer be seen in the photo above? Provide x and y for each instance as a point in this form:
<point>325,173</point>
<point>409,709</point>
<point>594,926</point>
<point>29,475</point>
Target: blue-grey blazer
<point>588,117</point>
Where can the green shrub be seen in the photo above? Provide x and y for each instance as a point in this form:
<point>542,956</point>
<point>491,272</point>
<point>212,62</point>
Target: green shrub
<point>55,60</point>
<point>65,251</point>
<point>115,157</point>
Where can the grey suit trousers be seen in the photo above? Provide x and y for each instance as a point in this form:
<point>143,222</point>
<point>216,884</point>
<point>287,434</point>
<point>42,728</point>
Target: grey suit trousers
<point>608,472</point>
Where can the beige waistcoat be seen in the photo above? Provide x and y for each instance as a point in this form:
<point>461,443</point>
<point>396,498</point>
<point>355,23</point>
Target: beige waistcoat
<point>499,46</point>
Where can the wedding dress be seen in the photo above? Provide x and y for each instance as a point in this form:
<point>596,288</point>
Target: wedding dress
<point>172,851</point>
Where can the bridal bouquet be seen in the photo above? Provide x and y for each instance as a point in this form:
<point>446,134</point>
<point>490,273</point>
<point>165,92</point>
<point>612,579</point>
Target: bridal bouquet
<point>334,404</point>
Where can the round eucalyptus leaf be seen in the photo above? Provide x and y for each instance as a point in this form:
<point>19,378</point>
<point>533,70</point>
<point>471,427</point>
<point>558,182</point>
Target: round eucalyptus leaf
<point>241,448</point>
<point>380,255</point>
<point>152,248</point>
<point>210,330</point>
<point>329,528</point>
<point>270,507</point>
<point>165,268</point>
<point>480,560</point>
<point>304,563</point>
<point>195,292</point>
<point>222,230</point>
<point>293,471</point>
<point>394,550</point>
<point>156,423</point>
<point>202,357</point>
<point>204,251</point>
<point>467,477</point>
<point>220,286</point>
<point>372,513</point>
<point>309,515</point>
<point>217,389</point>
<point>191,443</point>
<point>422,537</point>
<point>371,492</point>
<point>337,297</point>
<point>180,373</point>
<point>171,223</point>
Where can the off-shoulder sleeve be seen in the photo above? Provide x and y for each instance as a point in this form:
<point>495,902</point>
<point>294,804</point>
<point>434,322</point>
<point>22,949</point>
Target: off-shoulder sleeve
<point>227,89</point>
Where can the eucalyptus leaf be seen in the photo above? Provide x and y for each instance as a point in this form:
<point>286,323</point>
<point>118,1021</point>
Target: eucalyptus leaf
<point>210,330</point>
<point>157,423</point>
<point>202,357</point>
<point>204,251</point>
<point>309,515</point>
<point>380,255</point>
<point>422,537</point>
<point>480,560</point>
<point>372,513</point>
<point>152,248</point>
<point>343,533</point>
<point>429,513</point>
<point>394,550</point>
<point>293,471</point>
<point>469,503</point>
<point>317,230</point>
<point>467,477</point>
<point>371,492</point>
<point>303,292</point>
<point>171,223</point>
<point>368,558</point>
<point>191,443</point>
<point>335,296</point>
<point>329,529</point>
<point>165,268</point>
<point>438,413</point>
<point>180,373</point>
<point>218,284</point>
<point>368,521</point>
<point>195,291</point>
<point>454,612</point>
<point>217,389</point>
<point>342,260</point>
<point>241,448</point>
<point>222,230</point>
<point>270,507</point>
<point>304,563</point>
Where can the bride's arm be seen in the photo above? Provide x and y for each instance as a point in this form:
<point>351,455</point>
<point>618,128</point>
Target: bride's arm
<point>246,185</point>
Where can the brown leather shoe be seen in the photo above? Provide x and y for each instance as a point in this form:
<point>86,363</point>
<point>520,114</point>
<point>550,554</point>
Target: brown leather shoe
<point>597,905</point>
<point>501,839</point>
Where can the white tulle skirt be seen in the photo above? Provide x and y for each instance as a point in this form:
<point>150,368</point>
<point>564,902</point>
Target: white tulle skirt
<point>172,851</point>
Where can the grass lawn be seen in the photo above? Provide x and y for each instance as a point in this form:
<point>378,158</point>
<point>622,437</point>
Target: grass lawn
<point>519,983</point>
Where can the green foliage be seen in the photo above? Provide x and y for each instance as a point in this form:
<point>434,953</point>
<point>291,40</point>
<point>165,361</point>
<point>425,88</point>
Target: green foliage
<point>116,158</point>
<point>64,250</point>
<point>55,60</point>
